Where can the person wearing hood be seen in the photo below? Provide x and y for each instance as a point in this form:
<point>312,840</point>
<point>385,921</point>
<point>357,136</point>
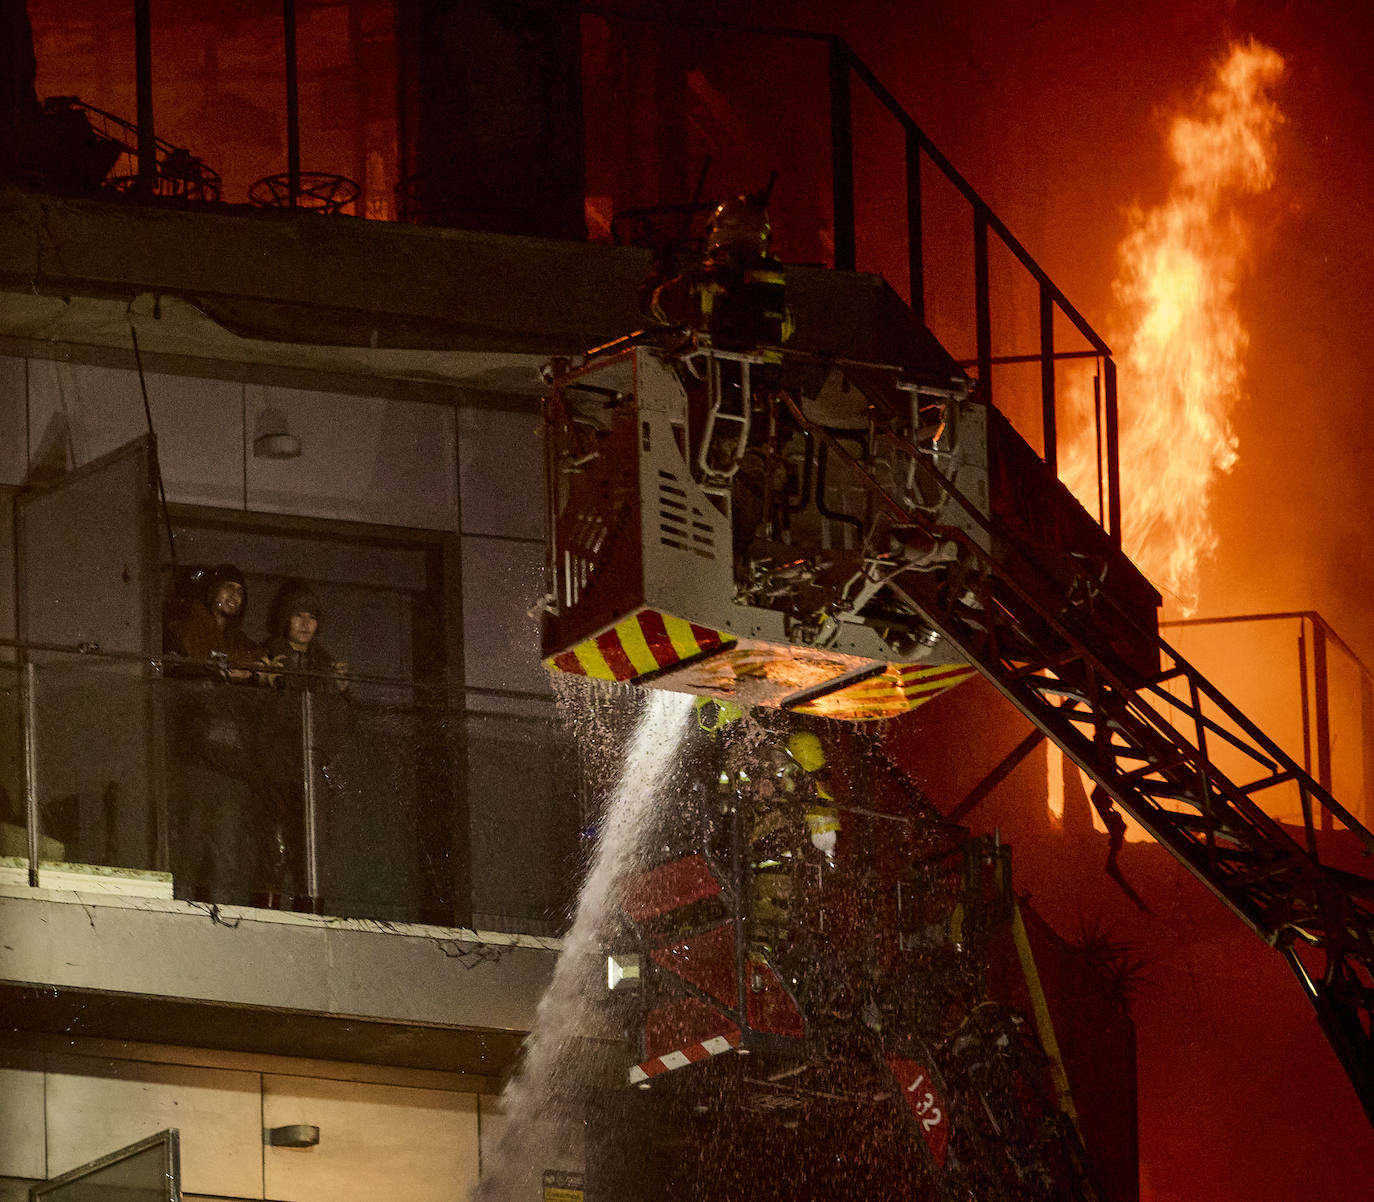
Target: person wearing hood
<point>295,662</point>
<point>209,634</point>
<point>293,647</point>
<point>212,760</point>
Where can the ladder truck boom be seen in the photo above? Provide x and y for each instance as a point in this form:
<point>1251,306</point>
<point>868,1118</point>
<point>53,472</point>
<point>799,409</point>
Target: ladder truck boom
<point>774,527</point>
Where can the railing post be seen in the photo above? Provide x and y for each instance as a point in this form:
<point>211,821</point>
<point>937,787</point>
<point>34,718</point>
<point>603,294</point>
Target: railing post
<point>31,823</point>
<point>312,851</point>
<point>1304,797</point>
<point>1367,744</point>
<point>842,155</point>
<point>293,108</point>
<point>1322,704</point>
<point>1047,414</point>
<point>143,86</point>
<point>982,302</point>
<point>915,247</point>
<point>1113,451</point>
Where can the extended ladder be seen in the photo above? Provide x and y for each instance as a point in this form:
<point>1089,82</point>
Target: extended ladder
<point>1144,740</point>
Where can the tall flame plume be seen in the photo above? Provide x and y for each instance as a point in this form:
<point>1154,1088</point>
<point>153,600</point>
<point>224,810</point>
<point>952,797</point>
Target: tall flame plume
<point>1183,369</point>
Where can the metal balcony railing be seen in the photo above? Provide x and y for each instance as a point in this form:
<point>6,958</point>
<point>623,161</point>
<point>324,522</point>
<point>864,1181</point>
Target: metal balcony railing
<point>1334,693</point>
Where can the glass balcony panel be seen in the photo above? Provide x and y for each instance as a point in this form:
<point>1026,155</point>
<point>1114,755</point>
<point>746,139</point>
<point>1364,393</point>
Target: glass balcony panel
<point>186,784</point>
<point>13,824</point>
<point>148,1171</point>
<point>96,772</point>
<point>522,784</point>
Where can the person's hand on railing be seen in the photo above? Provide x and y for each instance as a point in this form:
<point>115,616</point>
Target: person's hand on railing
<point>269,678</point>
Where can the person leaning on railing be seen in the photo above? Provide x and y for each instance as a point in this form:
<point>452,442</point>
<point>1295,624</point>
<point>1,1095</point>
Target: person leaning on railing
<point>294,661</point>
<point>212,760</point>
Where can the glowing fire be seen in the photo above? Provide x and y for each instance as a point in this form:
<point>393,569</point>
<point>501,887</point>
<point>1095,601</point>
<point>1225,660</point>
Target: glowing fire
<point>1183,368</point>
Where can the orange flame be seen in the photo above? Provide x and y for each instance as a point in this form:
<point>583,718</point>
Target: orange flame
<point>1183,369</point>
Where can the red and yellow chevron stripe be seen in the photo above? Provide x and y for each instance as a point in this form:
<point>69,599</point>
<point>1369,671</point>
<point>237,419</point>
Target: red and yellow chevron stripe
<point>901,687</point>
<point>642,643</point>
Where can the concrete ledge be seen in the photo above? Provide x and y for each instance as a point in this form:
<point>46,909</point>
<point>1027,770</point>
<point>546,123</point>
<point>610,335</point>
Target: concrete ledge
<point>294,963</point>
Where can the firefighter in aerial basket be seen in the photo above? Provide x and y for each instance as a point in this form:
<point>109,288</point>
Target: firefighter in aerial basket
<point>793,809</point>
<point>822,818</point>
<point>736,294</point>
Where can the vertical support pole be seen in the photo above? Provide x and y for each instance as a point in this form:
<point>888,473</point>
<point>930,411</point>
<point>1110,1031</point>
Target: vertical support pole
<point>312,850</point>
<point>1367,745</point>
<point>293,107</point>
<point>1305,703</point>
<point>1047,414</point>
<point>982,300</point>
<point>842,155</point>
<point>143,76</point>
<point>406,21</point>
<point>1097,434</point>
<point>31,817</point>
<point>1113,452</point>
<point>1322,706</point>
<point>915,247</point>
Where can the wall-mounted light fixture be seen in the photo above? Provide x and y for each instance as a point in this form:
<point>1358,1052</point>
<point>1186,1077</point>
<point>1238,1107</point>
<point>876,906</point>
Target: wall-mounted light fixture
<point>272,437</point>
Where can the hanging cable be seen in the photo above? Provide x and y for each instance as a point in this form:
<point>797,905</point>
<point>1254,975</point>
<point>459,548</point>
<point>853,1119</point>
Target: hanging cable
<point>157,466</point>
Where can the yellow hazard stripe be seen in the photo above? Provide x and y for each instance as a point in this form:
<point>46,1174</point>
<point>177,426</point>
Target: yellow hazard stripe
<point>592,661</point>
<point>1043,1024</point>
<point>600,655</point>
<point>636,647</point>
<point>680,635</point>
<point>900,688</point>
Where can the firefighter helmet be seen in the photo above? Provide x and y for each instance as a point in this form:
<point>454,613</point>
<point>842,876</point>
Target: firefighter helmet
<point>806,752</point>
<point>713,715</point>
<point>823,825</point>
<point>738,230</point>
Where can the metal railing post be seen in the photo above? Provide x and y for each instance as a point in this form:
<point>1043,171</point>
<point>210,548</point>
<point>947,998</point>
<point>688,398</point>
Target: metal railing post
<point>143,87</point>
<point>31,823</point>
<point>293,108</point>
<point>1367,744</point>
<point>1047,414</point>
<point>1113,451</point>
<point>312,851</point>
<point>842,155</point>
<point>1321,701</point>
<point>1305,707</point>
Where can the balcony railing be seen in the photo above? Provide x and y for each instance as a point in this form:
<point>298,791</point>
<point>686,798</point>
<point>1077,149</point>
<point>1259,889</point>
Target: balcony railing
<point>1324,718</point>
<point>129,775</point>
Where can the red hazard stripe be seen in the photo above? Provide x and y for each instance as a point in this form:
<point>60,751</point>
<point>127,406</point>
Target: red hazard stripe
<point>656,636</point>
<point>614,653</point>
<point>706,637</point>
<point>567,661</point>
<point>693,1053</point>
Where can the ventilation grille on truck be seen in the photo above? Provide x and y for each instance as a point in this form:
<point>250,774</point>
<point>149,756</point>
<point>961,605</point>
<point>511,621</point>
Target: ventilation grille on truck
<point>681,525</point>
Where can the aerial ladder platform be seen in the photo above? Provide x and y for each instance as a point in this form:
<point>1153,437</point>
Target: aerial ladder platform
<point>778,527</point>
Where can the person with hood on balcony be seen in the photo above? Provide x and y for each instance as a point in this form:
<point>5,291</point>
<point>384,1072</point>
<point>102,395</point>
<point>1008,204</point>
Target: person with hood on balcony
<point>311,685</point>
<point>212,759</point>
